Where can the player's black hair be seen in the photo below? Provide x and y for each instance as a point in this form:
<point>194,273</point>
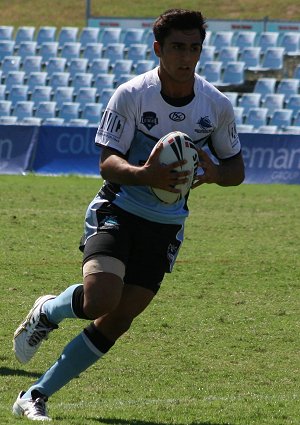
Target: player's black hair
<point>178,19</point>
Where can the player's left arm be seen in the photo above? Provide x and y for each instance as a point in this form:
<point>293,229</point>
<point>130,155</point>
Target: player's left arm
<point>229,172</point>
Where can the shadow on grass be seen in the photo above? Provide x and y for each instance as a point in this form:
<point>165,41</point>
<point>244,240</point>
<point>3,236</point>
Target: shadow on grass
<point>6,371</point>
<point>139,422</point>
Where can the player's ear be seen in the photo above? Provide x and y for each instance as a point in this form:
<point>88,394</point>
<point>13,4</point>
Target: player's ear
<point>157,48</point>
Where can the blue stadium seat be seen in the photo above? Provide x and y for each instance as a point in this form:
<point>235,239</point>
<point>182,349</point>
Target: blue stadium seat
<point>6,32</point>
<point>27,48</point>
<point>93,51</point>
<point>142,66</point>
<point>296,121</point>
<point>208,54</point>
<point>267,129</point>
<point>106,94</point>
<point>228,54</point>
<point>46,34</point>
<point>292,129</point>
<point>71,50</point>
<point>296,73</point>
<point>149,39</point>
<point>288,86</point>
<point>272,59</point>
<point>137,52</point>
<point>23,109</point>
<point>122,66</point>
<point>8,120</point>
<point>62,95</point>
<point>10,63</point>
<point>67,35</point>
<point>266,39</point>
<point>132,36</point>
<point>114,51</point>
<point>13,78</point>
<point>273,101</point>
<point>78,122</point>
<point>256,117</point>
<point>53,121</point>
<point>245,128</point>
<point>212,71</point>
<point>222,39</point>
<point>265,86</point>
<point>92,112</point>
<point>56,64</point>
<point>238,114</point>
<point>2,91</point>
<point>47,50</point>
<point>41,94</point>
<point>123,78</point>
<point>32,64</point>
<point>24,33</point>
<point>293,103</point>
<point>290,41</point>
<point>249,100</point>
<point>89,35</point>
<point>5,108</point>
<point>6,49</point>
<point>31,121</point>
<point>281,117</point>
<point>86,95</point>
<point>251,56</point>
<point>46,110</point>
<point>37,79</point>
<point>244,39</point>
<point>77,65</point>
<point>110,35</point>
<point>234,73</point>
<point>69,110</point>
<point>99,66</point>
<point>59,79</point>
<point>17,93</point>
<point>82,79</point>
<point>104,81</point>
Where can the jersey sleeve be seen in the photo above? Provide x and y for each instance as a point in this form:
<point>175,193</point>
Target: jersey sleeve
<point>117,126</point>
<point>225,139</point>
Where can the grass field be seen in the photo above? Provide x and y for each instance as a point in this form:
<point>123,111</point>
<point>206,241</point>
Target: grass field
<point>218,346</point>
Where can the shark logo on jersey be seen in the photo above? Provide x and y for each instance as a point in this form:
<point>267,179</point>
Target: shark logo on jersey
<point>205,125</point>
<point>149,119</point>
<point>108,222</point>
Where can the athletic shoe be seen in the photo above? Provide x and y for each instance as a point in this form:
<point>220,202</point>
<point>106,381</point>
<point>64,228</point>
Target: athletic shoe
<point>31,333</point>
<point>33,408</point>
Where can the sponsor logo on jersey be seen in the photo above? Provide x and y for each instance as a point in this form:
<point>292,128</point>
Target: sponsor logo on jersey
<point>177,116</point>
<point>233,134</point>
<point>149,119</point>
<point>112,125</point>
<point>205,125</point>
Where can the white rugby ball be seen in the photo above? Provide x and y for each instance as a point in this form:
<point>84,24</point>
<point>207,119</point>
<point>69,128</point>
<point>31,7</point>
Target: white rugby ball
<point>177,146</point>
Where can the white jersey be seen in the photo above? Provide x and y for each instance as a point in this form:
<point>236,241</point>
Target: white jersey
<point>137,116</point>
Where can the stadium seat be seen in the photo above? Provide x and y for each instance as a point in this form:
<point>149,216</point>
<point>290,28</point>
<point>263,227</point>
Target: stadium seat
<point>32,64</point>
<point>267,129</point>
<point>48,50</point>
<point>23,109</point>
<point>122,66</point>
<point>71,51</point>
<point>82,79</point>
<point>244,39</point>
<point>137,52</point>
<point>238,114</point>
<point>293,103</point>
<point>77,65</point>
<point>208,38</point>
<point>249,100</point>
<point>56,64</point>
<point>222,39</point>
<point>13,78</point>
<point>152,56</point>
<point>296,121</point>
<point>6,49</point>
<point>110,35</point>
<point>132,36</point>
<point>232,96</point>
<point>2,91</point>
<point>69,110</point>
<point>143,66</point>
<point>103,81</point>
<point>212,71</point>
<point>86,95</point>
<point>59,79</point>
<point>233,73</point>
<point>24,33</point>
<point>10,63</point>
<point>266,39</point>
<point>99,66</point>
<point>292,129</point>
<point>251,56</point>
<point>41,94</point>
<point>265,86</point>
<point>256,117</point>
<point>288,86</point>
<point>272,59</point>
<point>228,54</point>
<point>78,122</point>
<point>281,117</point>
<point>27,48</point>
<point>18,92</point>
<point>46,110</point>
<point>208,54</point>
<point>290,41</point>
<point>106,94</point>
<point>114,51</point>
<point>62,95</point>
<point>92,112</point>
<point>31,121</point>
<point>149,39</point>
<point>5,107</point>
<point>6,32</point>
<point>53,121</point>
<point>89,35</point>
<point>8,120</point>
<point>37,79</point>
<point>93,51</point>
<point>296,73</point>
<point>245,128</point>
<point>67,35</point>
<point>273,101</point>
<point>46,34</point>
<point>123,78</point>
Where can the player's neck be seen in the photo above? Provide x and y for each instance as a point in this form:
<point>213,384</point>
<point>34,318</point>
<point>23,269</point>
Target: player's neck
<point>175,89</point>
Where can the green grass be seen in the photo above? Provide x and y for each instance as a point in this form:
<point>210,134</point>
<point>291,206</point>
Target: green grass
<point>72,12</point>
<point>218,345</point>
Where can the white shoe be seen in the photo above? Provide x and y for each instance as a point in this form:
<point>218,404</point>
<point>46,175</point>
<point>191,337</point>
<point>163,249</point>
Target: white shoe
<point>34,409</point>
<point>31,333</point>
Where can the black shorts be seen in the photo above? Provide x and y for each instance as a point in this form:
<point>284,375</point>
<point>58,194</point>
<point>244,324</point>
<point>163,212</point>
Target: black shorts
<point>147,249</point>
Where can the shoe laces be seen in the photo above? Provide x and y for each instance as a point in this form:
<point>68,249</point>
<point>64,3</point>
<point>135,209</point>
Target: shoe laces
<point>41,330</point>
<point>39,407</point>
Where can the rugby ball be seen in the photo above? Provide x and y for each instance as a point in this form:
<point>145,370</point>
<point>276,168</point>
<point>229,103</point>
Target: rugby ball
<point>177,146</point>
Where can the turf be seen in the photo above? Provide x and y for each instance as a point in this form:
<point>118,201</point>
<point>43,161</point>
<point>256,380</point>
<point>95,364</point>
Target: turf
<point>219,344</point>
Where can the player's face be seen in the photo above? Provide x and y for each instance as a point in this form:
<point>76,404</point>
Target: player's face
<point>179,55</point>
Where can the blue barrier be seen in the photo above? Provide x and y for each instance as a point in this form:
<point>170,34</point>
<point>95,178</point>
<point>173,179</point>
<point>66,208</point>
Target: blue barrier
<point>269,158</point>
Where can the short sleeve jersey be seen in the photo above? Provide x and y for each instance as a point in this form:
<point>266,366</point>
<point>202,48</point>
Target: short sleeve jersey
<point>137,116</point>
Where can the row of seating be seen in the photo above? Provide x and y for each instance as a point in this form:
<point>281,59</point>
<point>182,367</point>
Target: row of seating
<point>258,116</point>
<point>290,41</point>
<point>267,129</point>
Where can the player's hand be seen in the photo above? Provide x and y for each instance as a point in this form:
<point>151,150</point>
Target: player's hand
<point>210,170</point>
<point>163,176</point>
